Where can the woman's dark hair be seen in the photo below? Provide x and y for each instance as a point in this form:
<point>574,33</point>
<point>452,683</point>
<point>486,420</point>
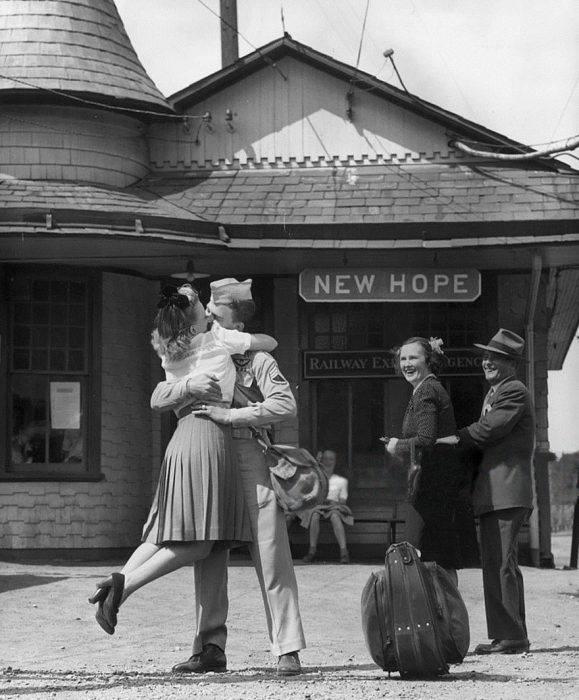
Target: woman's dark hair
<point>172,318</point>
<point>434,357</point>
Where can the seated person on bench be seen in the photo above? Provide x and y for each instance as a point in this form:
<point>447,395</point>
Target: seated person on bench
<point>334,509</point>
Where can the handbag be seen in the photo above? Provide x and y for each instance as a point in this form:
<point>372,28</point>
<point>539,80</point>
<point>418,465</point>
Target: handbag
<point>413,479</point>
<point>297,478</point>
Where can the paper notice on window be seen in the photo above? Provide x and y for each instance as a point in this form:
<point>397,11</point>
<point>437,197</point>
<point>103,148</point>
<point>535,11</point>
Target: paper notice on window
<point>64,405</point>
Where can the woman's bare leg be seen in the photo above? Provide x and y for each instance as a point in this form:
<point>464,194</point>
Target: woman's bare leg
<point>142,554</point>
<point>338,528</point>
<point>314,531</point>
<point>167,558</point>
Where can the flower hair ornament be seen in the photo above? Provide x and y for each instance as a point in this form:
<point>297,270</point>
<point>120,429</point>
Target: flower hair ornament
<point>436,345</point>
<point>170,297</point>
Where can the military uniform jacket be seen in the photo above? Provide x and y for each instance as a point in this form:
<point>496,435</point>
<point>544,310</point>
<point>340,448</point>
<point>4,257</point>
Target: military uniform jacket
<point>262,395</point>
<point>506,436</point>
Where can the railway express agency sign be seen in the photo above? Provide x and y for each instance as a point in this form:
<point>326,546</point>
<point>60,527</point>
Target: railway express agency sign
<point>389,284</point>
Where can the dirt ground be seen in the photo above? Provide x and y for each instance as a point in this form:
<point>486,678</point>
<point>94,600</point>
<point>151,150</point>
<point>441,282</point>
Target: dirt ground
<point>50,645</point>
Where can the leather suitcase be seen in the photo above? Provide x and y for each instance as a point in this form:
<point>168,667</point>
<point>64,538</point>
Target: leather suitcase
<point>413,616</point>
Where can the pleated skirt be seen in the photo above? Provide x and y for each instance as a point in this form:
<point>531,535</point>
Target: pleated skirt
<point>199,496</point>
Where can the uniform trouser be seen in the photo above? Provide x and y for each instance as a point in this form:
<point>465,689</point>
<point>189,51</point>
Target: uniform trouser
<point>502,579</point>
<point>271,555</point>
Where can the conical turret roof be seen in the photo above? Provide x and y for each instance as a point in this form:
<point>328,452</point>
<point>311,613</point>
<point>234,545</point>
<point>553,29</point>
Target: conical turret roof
<point>79,47</point>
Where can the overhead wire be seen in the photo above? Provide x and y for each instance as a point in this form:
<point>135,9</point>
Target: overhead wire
<point>565,107</point>
<point>95,103</point>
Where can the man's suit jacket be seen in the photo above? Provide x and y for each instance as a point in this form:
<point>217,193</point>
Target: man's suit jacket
<point>506,436</point>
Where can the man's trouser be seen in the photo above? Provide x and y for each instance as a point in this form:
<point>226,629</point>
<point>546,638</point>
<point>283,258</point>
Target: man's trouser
<point>271,555</point>
<point>502,579</point>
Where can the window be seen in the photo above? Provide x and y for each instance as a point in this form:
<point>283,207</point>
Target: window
<point>369,326</point>
<point>50,373</point>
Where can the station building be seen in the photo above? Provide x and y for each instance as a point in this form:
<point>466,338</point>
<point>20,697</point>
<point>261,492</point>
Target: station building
<point>353,205</point>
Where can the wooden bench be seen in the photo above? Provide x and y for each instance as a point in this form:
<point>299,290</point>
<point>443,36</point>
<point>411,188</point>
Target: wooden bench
<point>375,528</point>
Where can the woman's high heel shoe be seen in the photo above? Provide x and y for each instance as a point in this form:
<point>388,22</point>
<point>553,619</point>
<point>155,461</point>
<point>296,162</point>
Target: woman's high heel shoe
<point>102,591</point>
<point>106,614</point>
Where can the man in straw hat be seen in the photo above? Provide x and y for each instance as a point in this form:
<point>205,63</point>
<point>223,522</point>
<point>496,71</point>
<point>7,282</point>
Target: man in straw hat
<point>262,397</point>
<point>503,495</point>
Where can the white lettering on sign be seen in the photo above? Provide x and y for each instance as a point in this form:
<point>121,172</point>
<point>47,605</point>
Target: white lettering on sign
<point>440,281</point>
<point>340,284</point>
<point>365,284</point>
<point>392,284</point>
<point>319,364</point>
<point>459,280</point>
<point>419,284</point>
<point>321,285</point>
<point>398,283</point>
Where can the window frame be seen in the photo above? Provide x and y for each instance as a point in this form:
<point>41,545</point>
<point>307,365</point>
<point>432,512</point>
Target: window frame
<point>90,379</point>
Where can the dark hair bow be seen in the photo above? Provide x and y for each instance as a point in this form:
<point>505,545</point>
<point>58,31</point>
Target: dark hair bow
<point>170,297</point>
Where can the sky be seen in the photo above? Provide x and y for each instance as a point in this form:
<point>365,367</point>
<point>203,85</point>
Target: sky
<point>510,65</point>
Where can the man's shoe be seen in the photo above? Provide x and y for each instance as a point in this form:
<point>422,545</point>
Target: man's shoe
<point>310,556</point>
<point>504,646</point>
<point>289,664</point>
<point>211,659</point>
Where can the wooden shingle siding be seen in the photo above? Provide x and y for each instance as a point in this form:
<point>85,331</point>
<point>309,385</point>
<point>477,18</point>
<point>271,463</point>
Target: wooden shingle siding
<point>75,46</point>
<point>55,143</point>
<point>300,120</point>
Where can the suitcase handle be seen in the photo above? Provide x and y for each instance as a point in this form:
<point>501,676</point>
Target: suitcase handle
<point>404,549</point>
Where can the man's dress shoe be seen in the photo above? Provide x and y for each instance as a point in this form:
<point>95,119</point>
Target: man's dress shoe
<point>289,664</point>
<point>504,646</point>
<point>211,659</point>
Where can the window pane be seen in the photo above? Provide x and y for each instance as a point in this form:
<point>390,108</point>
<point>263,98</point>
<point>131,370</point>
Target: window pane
<point>58,360</point>
<point>40,290</point>
<point>41,314</point>
<point>21,359</point>
<point>59,292</point>
<point>76,315</point>
<point>21,336</point>
<point>39,336</point>
<point>39,359</point>
<point>75,361</point>
<point>76,338</point>
<point>34,439</point>
<point>28,420</point>
<point>58,336</point>
<point>22,313</point>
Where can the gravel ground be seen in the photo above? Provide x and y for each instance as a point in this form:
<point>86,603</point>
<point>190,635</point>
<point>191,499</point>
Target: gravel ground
<point>50,645</point>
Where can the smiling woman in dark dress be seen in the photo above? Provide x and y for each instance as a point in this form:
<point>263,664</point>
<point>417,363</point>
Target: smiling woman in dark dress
<point>440,520</point>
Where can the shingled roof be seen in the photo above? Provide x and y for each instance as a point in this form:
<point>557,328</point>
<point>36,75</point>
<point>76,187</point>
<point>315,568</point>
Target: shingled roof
<point>79,47</point>
<point>398,196</point>
<point>27,202</point>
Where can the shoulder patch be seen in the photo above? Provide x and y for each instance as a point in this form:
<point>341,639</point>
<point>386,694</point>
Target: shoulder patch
<point>276,376</point>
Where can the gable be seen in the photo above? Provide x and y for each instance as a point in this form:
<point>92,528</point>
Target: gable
<point>298,113</point>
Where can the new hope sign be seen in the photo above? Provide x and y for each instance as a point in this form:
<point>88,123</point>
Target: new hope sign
<point>394,284</point>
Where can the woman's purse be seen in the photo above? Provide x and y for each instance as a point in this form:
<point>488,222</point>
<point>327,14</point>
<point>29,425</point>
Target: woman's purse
<point>414,471</point>
<point>298,479</point>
